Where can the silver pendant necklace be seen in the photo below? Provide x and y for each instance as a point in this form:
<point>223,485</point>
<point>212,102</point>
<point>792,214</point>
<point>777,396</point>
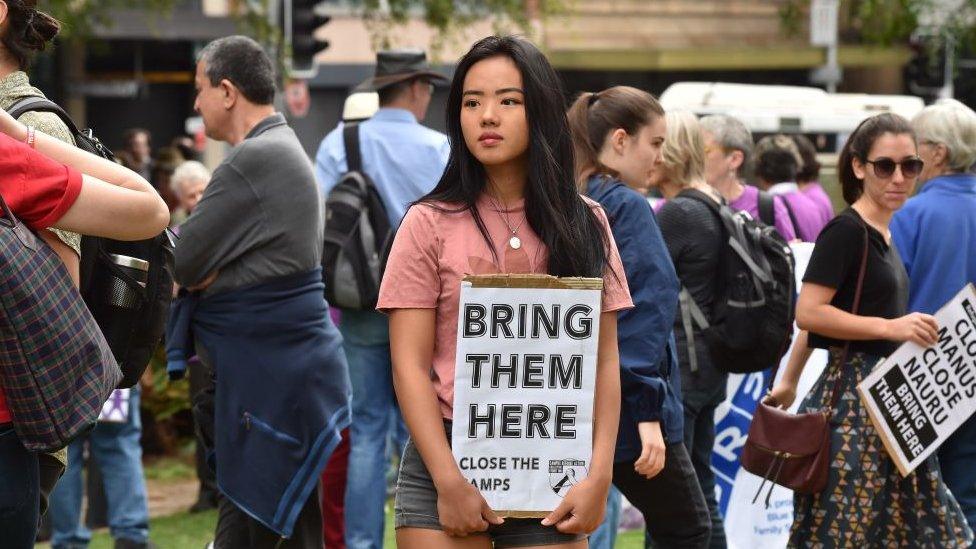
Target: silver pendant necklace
<point>514,242</point>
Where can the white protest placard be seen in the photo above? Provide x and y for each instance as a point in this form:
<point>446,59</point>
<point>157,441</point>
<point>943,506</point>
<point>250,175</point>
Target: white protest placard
<point>523,387</point>
<point>917,397</point>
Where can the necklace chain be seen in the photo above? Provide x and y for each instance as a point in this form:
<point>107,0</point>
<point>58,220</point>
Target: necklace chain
<point>514,241</point>
<point>505,217</point>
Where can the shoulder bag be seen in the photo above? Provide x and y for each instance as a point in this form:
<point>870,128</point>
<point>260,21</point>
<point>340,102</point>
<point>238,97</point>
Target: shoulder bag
<point>56,369</point>
<point>793,450</point>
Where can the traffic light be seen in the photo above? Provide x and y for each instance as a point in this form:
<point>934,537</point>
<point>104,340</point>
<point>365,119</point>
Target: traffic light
<point>301,22</point>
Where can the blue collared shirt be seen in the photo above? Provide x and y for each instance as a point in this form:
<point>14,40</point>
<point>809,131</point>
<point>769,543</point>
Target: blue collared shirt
<point>403,158</point>
<point>935,233</point>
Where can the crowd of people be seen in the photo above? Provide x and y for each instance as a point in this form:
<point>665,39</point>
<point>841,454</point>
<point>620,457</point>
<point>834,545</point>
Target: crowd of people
<point>300,407</point>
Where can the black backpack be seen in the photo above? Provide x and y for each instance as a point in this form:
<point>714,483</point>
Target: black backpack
<point>358,234</point>
<point>133,332</point>
<point>751,324</point>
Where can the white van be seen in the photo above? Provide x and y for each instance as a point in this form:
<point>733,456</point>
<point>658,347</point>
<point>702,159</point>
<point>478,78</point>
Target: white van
<point>827,119</point>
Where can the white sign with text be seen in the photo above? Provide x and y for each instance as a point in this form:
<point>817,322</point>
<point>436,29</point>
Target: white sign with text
<point>523,392</point>
<point>918,396</point>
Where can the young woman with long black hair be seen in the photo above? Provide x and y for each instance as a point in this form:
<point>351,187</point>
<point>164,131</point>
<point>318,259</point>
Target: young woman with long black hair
<point>507,203</point>
<point>618,134</point>
<point>854,303</point>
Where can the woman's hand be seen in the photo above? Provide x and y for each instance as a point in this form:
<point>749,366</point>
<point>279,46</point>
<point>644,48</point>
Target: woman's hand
<point>581,511</point>
<point>651,460</point>
<point>463,510</point>
<point>919,328</point>
<point>782,395</point>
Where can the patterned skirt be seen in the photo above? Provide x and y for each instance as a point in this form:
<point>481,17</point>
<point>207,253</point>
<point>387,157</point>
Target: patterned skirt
<point>867,503</point>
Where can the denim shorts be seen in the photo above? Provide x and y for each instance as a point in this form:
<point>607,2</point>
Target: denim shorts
<point>415,506</point>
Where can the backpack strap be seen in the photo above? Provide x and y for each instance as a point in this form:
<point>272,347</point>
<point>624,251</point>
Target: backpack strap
<point>691,315</point>
<point>767,209</point>
<point>789,210</point>
<point>350,140</point>
<point>42,104</point>
<point>704,199</point>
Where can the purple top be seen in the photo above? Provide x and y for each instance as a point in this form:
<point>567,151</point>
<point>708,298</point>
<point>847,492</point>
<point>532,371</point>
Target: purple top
<point>806,212</point>
<point>748,202</point>
<point>816,193</point>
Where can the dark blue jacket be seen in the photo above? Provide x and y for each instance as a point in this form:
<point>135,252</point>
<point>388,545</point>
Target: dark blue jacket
<point>649,379</point>
<point>282,393</point>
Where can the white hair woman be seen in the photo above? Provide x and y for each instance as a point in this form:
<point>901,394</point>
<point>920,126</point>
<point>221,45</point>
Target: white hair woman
<point>189,180</point>
<point>935,232</point>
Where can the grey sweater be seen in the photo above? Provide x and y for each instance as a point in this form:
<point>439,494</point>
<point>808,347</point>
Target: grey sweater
<point>259,219</point>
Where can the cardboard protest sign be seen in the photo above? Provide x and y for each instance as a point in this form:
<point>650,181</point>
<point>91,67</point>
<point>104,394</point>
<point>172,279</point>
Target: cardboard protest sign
<point>918,397</point>
<point>523,387</point>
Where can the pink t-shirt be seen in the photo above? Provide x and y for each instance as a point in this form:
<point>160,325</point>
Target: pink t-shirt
<point>435,248</point>
<point>817,193</point>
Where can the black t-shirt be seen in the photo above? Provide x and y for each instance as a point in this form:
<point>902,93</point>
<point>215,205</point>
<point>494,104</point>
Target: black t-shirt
<point>835,263</point>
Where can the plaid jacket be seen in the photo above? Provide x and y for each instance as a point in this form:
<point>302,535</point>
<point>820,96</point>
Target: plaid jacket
<point>56,369</point>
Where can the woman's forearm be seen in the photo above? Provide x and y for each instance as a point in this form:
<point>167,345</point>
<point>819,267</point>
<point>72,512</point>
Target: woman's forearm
<point>798,358</point>
<point>87,163</point>
<point>412,349</point>
<point>606,399</point>
<point>829,321</point>
<point>421,413</point>
<point>102,209</point>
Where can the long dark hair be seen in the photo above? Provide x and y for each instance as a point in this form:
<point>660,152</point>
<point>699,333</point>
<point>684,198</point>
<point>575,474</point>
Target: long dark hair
<point>573,235</point>
<point>594,115</point>
<point>859,146</point>
<point>28,31</point>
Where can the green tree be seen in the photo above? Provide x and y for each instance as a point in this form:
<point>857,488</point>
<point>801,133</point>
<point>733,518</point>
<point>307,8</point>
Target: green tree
<point>79,17</point>
<point>887,22</point>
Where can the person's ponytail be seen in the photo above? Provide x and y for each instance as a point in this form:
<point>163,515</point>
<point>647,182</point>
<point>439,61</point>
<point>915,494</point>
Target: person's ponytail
<point>585,153</point>
<point>28,31</point>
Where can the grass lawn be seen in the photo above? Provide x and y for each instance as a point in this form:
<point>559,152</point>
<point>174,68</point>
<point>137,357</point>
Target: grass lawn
<point>186,531</point>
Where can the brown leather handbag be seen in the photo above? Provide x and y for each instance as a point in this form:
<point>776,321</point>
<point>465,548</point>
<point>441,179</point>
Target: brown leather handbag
<point>793,450</point>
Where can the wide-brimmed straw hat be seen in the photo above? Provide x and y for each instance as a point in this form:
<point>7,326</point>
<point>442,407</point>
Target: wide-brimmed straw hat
<point>395,66</point>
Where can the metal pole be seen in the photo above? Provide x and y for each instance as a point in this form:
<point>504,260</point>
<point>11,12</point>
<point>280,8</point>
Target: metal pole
<point>948,90</point>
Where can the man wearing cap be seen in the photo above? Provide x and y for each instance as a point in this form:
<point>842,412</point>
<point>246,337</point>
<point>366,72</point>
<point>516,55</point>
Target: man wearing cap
<point>405,160</point>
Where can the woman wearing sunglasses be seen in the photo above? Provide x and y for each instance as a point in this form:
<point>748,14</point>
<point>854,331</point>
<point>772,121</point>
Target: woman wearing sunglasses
<point>866,501</point>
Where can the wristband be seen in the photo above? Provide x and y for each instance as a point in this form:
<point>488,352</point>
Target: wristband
<point>31,136</point>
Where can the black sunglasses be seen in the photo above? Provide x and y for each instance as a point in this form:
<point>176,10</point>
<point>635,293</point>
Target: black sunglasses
<point>885,167</point>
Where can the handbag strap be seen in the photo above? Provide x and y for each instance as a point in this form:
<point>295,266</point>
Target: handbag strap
<point>835,392</point>
<point>8,218</point>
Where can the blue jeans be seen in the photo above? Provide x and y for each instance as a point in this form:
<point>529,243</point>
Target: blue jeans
<point>19,491</point>
<point>115,446</point>
<point>366,340</point>
<point>605,536</point>
<point>957,459</point>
